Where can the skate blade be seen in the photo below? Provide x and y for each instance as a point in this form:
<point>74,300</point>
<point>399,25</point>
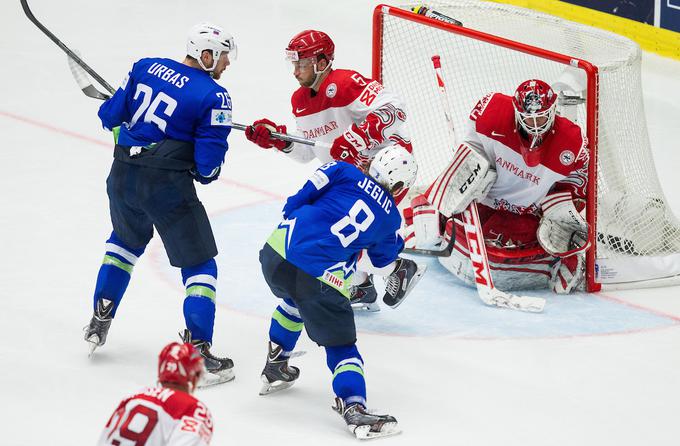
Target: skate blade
<point>93,346</point>
<point>372,307</point>
<point>93,342</point>
<point>212,379</point>
<point>365,433</point>
<point>269,388</point>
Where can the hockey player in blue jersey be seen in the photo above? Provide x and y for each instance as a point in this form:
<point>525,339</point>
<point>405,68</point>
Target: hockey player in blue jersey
<point>170,121</point>
<point>309,260</point>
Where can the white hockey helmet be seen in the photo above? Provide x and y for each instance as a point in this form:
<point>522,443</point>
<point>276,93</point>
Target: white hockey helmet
<point>393,165</point>
<point>207,36</point>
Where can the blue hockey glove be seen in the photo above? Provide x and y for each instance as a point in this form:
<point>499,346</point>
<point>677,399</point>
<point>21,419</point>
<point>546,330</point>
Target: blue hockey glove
<point>205,180</point>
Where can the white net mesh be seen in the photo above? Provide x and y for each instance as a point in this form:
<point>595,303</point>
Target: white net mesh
<point>633,218</point>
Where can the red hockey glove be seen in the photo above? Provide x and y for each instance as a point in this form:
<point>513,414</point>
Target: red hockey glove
<point>348,146</point>
<point>261,134</point>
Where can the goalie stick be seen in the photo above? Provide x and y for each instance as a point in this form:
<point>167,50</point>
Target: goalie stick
<point>488,293</point>
<point>486,290</point>
<point>80,71</point>
<point>436,65</point>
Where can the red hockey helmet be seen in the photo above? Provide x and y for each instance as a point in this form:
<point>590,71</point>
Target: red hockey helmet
<point>535,102</point>
<point>179,364</point>
<point>310,43</point>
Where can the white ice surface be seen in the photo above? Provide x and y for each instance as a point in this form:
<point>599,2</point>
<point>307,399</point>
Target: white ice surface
<point>599,369</point>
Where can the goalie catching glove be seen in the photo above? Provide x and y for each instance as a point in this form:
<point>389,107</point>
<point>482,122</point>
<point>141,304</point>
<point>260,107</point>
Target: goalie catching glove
<point>562,231</point>
<point>468,177</point>
<point>260,133</point>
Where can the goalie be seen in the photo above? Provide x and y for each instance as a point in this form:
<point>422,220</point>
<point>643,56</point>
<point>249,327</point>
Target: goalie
<point>528,169</point>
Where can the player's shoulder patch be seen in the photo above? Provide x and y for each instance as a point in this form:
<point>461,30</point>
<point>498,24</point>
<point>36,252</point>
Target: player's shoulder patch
<point>319,179</point>
<point>220,117</point>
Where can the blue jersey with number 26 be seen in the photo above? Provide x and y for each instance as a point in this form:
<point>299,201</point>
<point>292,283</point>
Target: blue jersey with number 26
<point>337,213</point>
<point>163,98</point>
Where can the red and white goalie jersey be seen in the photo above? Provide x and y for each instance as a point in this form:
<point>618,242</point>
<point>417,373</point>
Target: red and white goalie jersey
<point>159,416</point>
<point>522,183</point>
<point>510,211</point>
<point>345,97</point>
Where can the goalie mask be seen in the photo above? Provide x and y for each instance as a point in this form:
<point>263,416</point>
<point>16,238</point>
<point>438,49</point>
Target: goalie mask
<point>180,364</point>
<point>393,167</point>
<point>210,37</point>
<point>534,103</point>
<point>308,47</point>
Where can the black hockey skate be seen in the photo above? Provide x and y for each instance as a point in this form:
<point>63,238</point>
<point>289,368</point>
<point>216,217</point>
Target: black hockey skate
<point>363,424</point>
<point>219,370</point>
<point>402,280</point>
<point>364,296</point>
<point>277,374</point>
<point>98,328</point>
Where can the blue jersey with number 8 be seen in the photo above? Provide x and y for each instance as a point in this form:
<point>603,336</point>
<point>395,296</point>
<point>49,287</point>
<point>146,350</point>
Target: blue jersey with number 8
<point>163,98</point>
<point>338,213</point>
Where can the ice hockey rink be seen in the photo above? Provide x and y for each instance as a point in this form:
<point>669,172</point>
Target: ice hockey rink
<point>593,369</point>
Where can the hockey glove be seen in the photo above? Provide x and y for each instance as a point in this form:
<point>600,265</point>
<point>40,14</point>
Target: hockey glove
<point>348,146</point>
<point>562,231</point>
<point>261,134</point>
<point>426,224</point>
<point>205,180</point>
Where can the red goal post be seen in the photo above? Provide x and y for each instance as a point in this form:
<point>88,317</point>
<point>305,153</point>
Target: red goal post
<point>591,121</point>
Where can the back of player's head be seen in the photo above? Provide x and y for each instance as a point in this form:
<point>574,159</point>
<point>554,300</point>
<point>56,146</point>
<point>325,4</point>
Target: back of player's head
<point>310,43</point>
<point>207,36</point>
<point>180,364</point>
<point>394,168</point>
<point>535,103</point>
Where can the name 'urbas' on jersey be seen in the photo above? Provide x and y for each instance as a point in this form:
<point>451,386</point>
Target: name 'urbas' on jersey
<point>168,74</point>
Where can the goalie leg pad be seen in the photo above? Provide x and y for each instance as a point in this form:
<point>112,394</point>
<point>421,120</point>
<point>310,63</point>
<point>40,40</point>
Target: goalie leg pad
<point>567,274</point>
<point>468,177</point>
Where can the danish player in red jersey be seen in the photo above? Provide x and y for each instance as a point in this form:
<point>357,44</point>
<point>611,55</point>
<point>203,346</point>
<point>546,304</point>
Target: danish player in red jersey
<point>166,415</point>
<point>353,113</point>
<point>527,168</point>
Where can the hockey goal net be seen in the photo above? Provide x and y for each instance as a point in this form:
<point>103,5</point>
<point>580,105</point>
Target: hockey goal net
<point>597,74</point>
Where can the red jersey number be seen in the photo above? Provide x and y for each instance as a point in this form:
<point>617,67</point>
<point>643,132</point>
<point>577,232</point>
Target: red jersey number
<point>356,77</point>
<point>140,437</point>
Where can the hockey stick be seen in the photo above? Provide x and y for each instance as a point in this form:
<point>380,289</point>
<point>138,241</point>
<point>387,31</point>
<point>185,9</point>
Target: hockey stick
<point>92,92</point>
<point>288,138</point>
<point>81,70</point>
<point>431,13</point>
<point>486,290</point>
<point>488,293</point>
<point>436,65</point>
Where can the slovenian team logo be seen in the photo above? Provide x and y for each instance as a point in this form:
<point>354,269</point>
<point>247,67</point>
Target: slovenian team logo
<point>567,157</point>
<point>331,90</point>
